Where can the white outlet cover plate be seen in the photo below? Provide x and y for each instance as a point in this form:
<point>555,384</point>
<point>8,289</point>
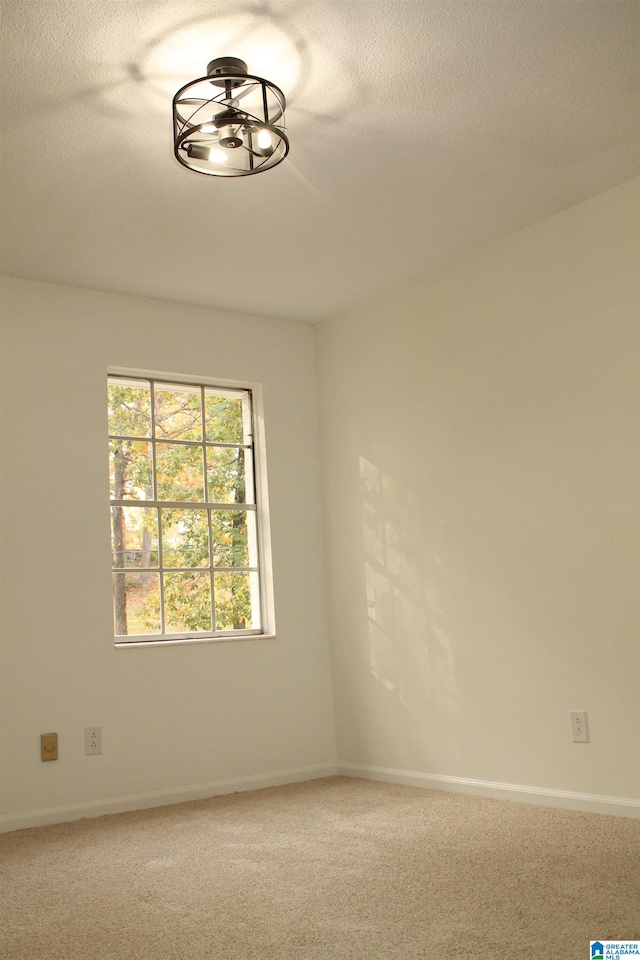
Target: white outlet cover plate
<point>92,741</point>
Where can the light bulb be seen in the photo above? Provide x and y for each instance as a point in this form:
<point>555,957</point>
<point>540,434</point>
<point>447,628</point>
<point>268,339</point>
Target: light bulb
<point>218,156</point>
<point>264,139</point>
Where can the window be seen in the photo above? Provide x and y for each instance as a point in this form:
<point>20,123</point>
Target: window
<point>184,513</point>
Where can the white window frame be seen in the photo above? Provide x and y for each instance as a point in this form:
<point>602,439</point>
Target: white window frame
<point>263,528</point>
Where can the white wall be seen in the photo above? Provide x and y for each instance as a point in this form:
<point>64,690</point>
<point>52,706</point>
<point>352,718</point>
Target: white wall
<point>480,452</point>
<point>174,719</point>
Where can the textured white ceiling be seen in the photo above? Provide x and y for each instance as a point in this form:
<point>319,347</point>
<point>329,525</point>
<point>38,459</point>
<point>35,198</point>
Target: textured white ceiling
<point>418,131</point>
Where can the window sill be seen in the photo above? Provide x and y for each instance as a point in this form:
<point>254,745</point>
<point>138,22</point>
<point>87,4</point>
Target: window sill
<point>181,641</point>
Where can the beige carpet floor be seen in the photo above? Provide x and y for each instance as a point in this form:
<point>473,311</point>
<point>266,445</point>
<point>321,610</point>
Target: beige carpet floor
<point>333,868</point>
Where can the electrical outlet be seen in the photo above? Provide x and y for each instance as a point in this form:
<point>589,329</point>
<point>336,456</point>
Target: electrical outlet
<point>92,740</point>
<point>579,733</point>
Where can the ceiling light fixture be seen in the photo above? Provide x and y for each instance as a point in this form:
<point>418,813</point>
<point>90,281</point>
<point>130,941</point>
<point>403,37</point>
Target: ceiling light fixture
<point>232,130</point>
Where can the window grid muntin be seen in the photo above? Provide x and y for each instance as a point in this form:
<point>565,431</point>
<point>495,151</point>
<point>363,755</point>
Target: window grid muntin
<point>248,413</point>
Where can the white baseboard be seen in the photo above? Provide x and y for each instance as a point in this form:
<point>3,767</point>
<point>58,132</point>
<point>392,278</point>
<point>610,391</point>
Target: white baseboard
<point>591,803</point>
<point>161,798</point>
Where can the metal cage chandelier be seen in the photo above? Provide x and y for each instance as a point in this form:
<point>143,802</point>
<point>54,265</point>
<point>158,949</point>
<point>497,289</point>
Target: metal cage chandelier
<point>229,123</point>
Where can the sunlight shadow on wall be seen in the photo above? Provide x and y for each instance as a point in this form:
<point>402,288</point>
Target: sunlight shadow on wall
<point>411,652</point>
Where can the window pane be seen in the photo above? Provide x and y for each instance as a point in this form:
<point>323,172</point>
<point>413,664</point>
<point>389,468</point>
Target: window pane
<point>129,407</point>
<point>229,538</point>
<point>185,538</point>
<point>178,412</point>
<point>178,567</point>
<point>252,535</point>
<point>223,418</point>
<point>233,602</point>
<point>179,471</point>
<point>134,536</point>
<point>227,479</point>
<point>187,602</point>
<point>130,470</point>
<point>136,603</point>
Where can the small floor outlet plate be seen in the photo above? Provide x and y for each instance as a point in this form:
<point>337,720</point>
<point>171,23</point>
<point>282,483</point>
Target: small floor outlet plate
<point>49,746</point>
